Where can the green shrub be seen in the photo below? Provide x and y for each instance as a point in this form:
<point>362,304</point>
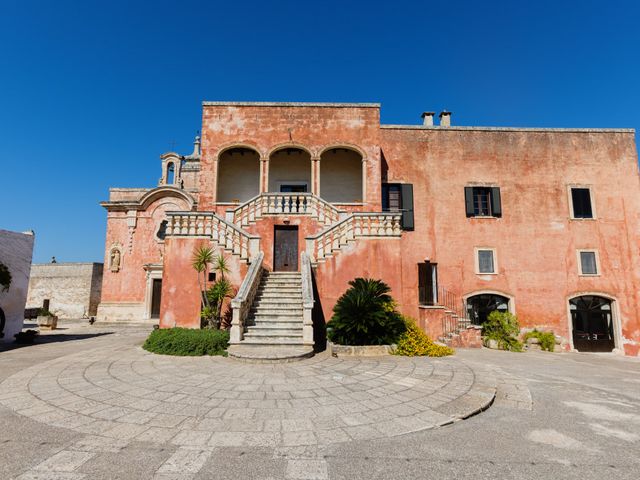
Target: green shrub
<point>547,340</point>
<point>414,342</point>
<point>503,327</point>
<point>187,342</point>
<point>365,315</point>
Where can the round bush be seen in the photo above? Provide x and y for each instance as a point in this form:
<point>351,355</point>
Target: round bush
<point>187,342</point>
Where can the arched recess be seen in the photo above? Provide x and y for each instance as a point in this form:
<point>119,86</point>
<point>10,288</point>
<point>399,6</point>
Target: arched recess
<point>341,175</point>
<point>166,192</point>
<point>594,322</point>
<point>238,175</point>
<point>290,170</point>
<point>481,303</point>
<point>171,173</point>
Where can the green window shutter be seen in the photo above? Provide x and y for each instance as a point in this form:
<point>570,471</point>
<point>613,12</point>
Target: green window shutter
<point>496,204</point>
<point>468,200</point>
<point>407,206</point>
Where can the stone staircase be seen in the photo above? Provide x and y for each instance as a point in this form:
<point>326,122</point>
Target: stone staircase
<point>275,323</point>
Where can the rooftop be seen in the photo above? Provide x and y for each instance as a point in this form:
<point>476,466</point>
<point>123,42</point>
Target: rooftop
<point>289,104</point>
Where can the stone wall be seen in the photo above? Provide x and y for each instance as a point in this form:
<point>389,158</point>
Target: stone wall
<point>73,289</point>
<point>16,250</point>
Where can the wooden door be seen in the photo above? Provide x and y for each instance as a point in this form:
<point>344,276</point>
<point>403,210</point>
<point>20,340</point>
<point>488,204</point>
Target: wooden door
<point>285,249</point>
<point>155,298</point>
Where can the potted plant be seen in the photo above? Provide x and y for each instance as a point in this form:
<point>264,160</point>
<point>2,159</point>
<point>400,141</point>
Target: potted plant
<point>47,319</point>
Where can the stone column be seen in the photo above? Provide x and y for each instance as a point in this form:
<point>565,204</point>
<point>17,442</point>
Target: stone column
<point>264,174</point>
<point>315,175</point>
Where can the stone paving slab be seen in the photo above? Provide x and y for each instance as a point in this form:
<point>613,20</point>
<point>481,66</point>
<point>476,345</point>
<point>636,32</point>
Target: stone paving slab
<point>130,394</point>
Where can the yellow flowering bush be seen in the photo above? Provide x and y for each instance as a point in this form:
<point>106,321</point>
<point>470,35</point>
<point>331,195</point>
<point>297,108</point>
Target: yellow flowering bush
<point>414,342</point>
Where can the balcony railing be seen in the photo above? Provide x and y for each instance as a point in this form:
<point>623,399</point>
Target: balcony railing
<point>206,224</point>
<point>283,204</point>
<point>355,225</point>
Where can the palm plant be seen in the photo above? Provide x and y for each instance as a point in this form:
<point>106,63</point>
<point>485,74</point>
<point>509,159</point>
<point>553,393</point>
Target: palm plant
<point>202,257</point>
<point>365,315</point>
<point>216,295</point>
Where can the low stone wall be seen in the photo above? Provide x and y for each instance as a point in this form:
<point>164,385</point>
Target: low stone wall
<point>360,350</point>
<point>73,289</point>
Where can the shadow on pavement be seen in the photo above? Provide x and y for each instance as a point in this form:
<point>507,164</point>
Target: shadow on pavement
<point>47,337</point>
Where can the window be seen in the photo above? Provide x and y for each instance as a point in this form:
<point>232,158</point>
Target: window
<point>588,261</point>
<point>485,261</point>
<point>483,201</point>
<point>398,197</point>
<point>581,202</point>
<point>428,283</point>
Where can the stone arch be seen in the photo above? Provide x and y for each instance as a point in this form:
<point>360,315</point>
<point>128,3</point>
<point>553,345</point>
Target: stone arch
<point>616,324</point>
<point>163,192</point>
<point>290,168</point>
<point>346,145</point>
<point>342,174</point>
<point>285,145</point>
<point>231,145</point>
<point>238,174</point>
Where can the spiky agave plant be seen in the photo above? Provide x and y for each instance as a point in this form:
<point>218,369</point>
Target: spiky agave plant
<point>365,315</point>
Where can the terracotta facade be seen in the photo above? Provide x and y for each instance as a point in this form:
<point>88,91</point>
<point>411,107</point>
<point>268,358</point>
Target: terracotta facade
<point>535,241</point>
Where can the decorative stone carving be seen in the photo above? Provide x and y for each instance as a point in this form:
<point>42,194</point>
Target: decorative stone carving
<point>115,258</point>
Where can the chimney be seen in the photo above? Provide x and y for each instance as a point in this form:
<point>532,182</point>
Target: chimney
<point>445,118</point>
<point>427,118</point>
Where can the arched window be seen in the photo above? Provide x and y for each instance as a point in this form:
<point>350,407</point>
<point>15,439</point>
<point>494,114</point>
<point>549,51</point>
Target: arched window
<point>238,175</point>
<point>480,306</point>
<point>171,174</point>
<point>592,323</point>
<point>341,176</point>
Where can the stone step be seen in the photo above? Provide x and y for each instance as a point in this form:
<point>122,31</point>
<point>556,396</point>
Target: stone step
<point>277,335</point>
<point>273,312</point>
<point>280,324</point>
<point>282,283</point>
<point>283,297</point>
<point>277,303</point>
<point>279,289</point>
<point>272,341</point>
<point>277,330</point>
<point>282,306</point>
<point>282,275</point>
<point>269,354</point>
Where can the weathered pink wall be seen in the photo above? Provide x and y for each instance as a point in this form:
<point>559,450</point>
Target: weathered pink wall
<point>536,241</point>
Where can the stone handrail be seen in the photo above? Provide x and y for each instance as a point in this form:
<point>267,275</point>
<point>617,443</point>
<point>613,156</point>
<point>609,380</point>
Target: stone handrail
<point>307,299</point>
<point>355,225</point>
<point>284,204</point>
<point>241,303</point>
<point>208,224</point>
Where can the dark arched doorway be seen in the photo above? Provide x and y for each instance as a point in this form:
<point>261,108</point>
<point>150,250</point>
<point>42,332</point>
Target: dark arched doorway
<point>592,323</point>
<point>480,306</point>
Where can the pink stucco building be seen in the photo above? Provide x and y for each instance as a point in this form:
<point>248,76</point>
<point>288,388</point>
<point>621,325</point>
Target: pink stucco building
<point>459,221</point>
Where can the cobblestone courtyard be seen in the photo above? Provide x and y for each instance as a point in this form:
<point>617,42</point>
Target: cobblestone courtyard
<point>101,407</point>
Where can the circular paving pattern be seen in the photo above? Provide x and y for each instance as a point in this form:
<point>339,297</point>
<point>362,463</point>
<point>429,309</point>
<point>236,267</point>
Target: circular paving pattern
<point>127,393</point>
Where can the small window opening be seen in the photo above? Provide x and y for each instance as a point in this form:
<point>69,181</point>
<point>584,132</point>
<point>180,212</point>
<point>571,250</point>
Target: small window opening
<point>171,174</point>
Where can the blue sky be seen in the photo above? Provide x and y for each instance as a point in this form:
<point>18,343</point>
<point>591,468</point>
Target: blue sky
<point>91,93</point>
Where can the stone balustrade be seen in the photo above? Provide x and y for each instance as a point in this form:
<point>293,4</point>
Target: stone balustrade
<point>307,298</point>
<point>355,225</point>
<point>207,224</point>
<point>284,204</point>
<point>241,303</point>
